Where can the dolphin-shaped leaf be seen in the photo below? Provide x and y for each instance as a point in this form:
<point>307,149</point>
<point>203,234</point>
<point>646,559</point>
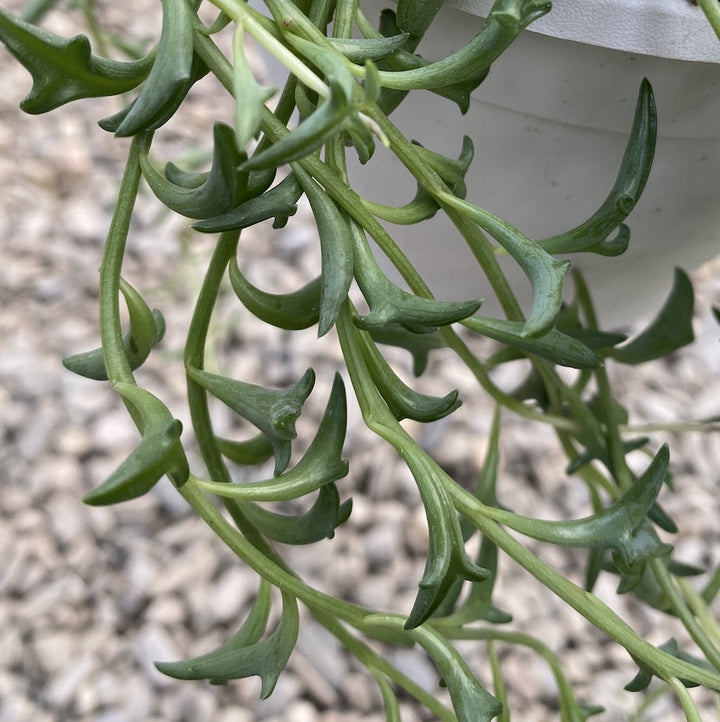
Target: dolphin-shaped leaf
<point>321,464</point>
<point>159,452</point>
<point>147,329</point>
<point>64,69</point>
<point>272,411</point>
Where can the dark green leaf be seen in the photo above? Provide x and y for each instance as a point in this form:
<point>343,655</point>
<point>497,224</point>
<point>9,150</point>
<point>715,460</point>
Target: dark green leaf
<point>291,311</point>
<point>403,401</point>
<point>546,274</point>
<point>221,189</point>
<point>63,69</point>
<point>635,167</point>
<point>272,411</point>
<point>336,252</point>
<point>321,464</point>
<point>147,329</point>
<point>554,345</point>
<point>622,526</point>
<point>319,522</point>
<point>251,451</point>
<point>159,452</point>
<point>279,203</point>
<point>237,658</point>
<point>170,77</point>
<point>389,304</point>
<point>670,330</point>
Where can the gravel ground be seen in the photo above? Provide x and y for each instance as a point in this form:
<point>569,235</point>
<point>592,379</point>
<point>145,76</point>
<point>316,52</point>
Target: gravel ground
<point>89,597</point>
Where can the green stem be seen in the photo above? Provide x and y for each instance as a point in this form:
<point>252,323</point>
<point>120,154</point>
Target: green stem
<point>589,606</point>
<point>678,605</point>
<point>351,613</point>
<point>116,363</point>
<point>711,8</point>
<point>692,714</point>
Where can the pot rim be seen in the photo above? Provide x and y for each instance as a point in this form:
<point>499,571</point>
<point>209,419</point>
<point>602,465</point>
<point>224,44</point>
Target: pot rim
<point>674,29</point>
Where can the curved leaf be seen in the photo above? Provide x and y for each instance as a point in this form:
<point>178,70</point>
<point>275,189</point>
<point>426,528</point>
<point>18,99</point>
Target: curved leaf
<point>171,74</point>
<point>546,274</point>
<point>554,345</point>
<point>238,658</point>
<point>220,190</point>
<point>319,522</point>
<point>272,411</point>
<point>147,329</point>
<point>159,452</point>
<point>628,187</point>
<point>622,526</point>
<point>64,69</point>
<point>321,464</point>
<point>291,311</point>
<point>670,330</point>
<point>279,203</point>
<point>403,401</point>
<point>390,304</point>
<point>336,252</point>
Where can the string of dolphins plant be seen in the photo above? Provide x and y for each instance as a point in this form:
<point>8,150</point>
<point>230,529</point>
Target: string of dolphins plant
<point>344,85</point>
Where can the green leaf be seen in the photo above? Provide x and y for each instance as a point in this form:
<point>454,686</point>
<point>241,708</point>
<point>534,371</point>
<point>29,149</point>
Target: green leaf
<point>64,69</point>
<point>319,522</point>
<point>670,330</point>
<point>471,701</point>
<point>336,252</point>
<point>291,311</point>
<point>628,187</point>
<point>622,526</point>
<point>220,191</point>
<point>419,345</point>
<point>272,411</point>
<point>546,274</point>
<point>248,452</point>
<point>390,304</point>
<point>403,401</point>
<point>279,203</point>
<point>170,77</point>
<point>478,604</point>
<point>238,658</point>
<point>159,452</point>
<point>554,345</point>
<point>147,329</point>
<point>447,559</point>
<point>321,464</point>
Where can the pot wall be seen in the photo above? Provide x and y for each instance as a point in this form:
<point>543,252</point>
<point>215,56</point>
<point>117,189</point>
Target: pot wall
<point>550,125</point>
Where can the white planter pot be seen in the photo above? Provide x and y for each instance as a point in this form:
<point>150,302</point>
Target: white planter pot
<point>550,125</point>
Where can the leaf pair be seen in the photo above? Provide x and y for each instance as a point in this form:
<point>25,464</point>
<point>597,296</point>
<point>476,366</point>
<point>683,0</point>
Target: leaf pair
<point>247,654</point>
<point>159,452</point>
<point>322,462</point>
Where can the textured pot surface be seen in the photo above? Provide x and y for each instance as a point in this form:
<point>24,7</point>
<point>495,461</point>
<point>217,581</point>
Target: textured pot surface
<point>664,28</point>
<point>549,126</point>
